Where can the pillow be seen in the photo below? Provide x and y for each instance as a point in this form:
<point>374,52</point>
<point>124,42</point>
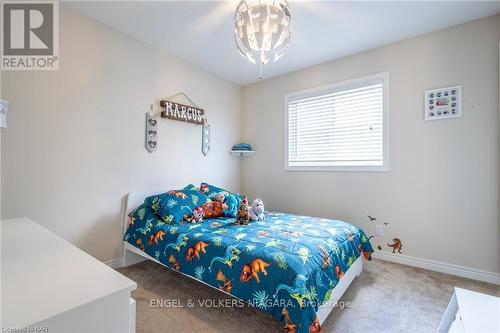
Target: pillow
<point>154,200</point>
<point>232,200</point>
<point>141,220</point>
<point>175,205</point>
<point>191,187</point>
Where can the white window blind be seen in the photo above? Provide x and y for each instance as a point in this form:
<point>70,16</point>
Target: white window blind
<point>337,126</point>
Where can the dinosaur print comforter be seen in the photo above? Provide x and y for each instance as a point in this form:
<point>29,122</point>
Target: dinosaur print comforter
<point>286,265</point>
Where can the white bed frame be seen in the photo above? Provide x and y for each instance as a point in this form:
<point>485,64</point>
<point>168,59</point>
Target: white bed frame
<point>133,255</point>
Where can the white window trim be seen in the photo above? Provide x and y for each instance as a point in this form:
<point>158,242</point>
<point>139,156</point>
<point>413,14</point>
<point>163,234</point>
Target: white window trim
<point>347,84</point>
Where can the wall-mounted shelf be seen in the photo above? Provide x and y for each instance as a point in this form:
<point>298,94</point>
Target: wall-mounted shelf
<point>242,153</point>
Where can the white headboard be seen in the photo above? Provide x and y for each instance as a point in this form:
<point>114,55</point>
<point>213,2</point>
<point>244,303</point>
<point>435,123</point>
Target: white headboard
<point>134,200</point>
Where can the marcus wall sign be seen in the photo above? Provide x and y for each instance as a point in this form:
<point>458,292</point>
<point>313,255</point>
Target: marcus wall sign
<point>177,111</point>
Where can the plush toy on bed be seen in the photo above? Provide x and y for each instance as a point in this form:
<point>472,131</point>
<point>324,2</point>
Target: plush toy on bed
<point>232,206</point>
<point>213,209</point>
<point>257,210</point>
<point>198,214</point>
<point>243,216</point>
<point>230,203</point>
<point>220,197</point>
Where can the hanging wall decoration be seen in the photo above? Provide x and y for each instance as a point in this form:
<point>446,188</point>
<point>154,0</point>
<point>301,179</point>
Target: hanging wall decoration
<point>177,111</point>
<point>151,131</point>
<point>205,138</point>
<point>189,114</point>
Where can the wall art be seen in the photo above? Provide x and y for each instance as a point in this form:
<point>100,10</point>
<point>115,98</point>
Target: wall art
<point>205,138</point>
<point>151,132</point>
<point>443,103</point>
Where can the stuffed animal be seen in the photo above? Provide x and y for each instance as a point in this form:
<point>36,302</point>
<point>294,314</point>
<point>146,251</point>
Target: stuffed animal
<point>243,215</point>
<point>232,206</point>
<point>198,214</point>
<point>230,203</point>
<point>204,188</point>
<point>220,197</point>
<point>213,209</point>
<point>257,210</point>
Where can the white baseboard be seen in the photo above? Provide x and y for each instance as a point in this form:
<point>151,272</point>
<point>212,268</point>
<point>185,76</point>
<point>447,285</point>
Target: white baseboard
<point>432,265</point>
<point>115,263</point>
<point>438,266</point>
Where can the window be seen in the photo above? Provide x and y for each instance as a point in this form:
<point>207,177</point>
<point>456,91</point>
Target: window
<point>339,127</point>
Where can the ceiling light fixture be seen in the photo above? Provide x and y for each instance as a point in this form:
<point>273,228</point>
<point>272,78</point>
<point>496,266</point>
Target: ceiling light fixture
<point>262,30</point>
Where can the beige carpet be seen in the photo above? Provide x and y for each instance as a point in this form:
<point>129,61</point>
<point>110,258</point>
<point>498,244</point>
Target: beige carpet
<point>386,297</point>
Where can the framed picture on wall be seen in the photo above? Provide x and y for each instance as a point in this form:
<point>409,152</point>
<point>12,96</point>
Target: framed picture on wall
<point>443,103</point>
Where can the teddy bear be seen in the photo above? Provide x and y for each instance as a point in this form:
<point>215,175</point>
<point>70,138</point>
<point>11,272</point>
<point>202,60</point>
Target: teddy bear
<point>257,210</point>
<point>213,209</point>
<point>243,216</point>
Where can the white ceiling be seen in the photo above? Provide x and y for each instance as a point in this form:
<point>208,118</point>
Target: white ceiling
<point>201,32</point>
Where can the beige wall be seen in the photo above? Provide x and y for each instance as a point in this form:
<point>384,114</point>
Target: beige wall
<point>75,141</point>
<point>441,195</point>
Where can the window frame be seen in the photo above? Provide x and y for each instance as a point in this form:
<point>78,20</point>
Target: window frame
<point>338,86</point>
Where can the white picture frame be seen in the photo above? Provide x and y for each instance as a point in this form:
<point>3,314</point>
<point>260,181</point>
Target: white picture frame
<point>443,103</point>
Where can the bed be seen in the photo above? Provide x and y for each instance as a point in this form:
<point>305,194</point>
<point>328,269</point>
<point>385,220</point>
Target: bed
<point>294,267</point>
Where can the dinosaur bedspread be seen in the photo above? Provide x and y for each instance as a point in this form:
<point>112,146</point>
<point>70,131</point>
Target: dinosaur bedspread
<point>286,265</point>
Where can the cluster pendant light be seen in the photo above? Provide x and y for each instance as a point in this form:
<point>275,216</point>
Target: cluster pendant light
<point>262,30</point>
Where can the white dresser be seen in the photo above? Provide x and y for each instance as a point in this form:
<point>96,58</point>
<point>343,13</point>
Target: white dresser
<point>52,286</point>
<point>469,311</point>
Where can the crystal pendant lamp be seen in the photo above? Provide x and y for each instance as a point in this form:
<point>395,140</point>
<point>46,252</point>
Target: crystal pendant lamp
<point>262,30</point>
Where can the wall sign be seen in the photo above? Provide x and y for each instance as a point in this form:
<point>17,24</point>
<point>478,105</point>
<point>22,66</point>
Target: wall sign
<point>186,113</point>
<point>443,103</point>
